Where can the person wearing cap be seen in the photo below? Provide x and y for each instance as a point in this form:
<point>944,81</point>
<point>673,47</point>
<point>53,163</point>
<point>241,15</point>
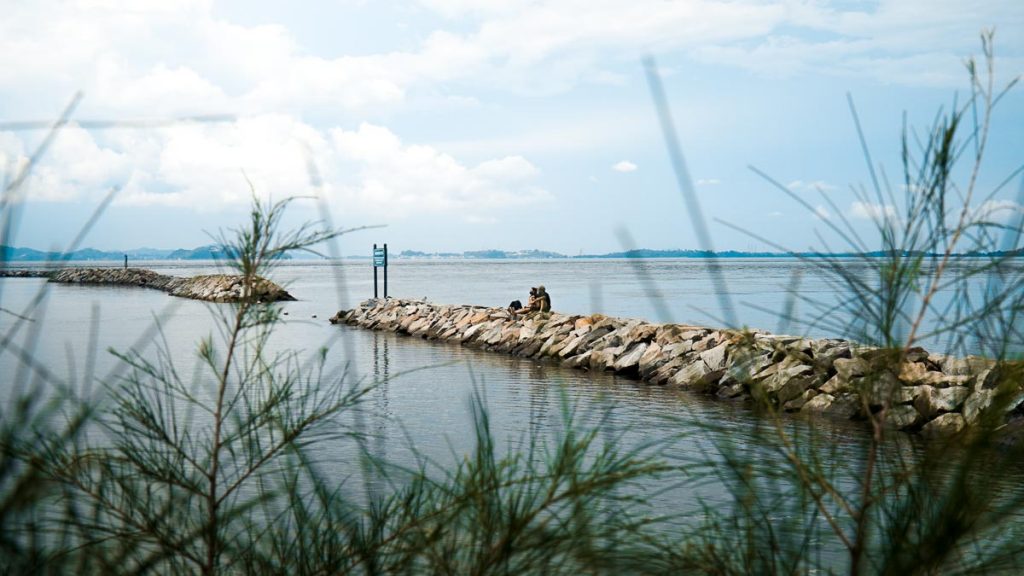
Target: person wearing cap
<point>543,300</point>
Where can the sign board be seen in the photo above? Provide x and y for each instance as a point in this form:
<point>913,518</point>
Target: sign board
<point>380,260</point>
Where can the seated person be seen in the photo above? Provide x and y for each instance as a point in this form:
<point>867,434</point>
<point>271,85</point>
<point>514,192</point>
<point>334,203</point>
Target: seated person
<point>543,300</point>
<point>530,304</point>
<point>540,301</point>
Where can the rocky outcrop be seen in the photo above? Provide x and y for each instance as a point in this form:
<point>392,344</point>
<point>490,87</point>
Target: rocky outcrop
<point>211,288</point>
<point>24,273</point>
<point>913,390</point>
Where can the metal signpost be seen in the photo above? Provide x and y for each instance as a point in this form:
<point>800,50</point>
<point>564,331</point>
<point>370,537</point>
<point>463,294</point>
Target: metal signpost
<point>380,260</point>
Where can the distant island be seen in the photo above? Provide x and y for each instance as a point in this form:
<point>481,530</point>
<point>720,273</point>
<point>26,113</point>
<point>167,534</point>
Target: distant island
<point>214,252</point>
<point>647,253</point>
<point>208,252</point>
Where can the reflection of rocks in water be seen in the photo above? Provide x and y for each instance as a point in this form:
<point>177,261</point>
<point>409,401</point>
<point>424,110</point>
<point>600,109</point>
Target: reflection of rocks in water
<point>911,389</point>
<point>381,370</point>
<point>210,288</point>
<point>537,371</point>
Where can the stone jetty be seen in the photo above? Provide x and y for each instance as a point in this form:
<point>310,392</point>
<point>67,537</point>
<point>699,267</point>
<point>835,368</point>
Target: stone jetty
<point>24,273</point>
<point>211,287</point>
<point>930,393</point>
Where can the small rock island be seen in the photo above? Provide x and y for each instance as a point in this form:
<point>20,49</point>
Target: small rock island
<point>208,287</point>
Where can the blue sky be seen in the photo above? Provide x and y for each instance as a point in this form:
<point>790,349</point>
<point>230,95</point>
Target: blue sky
<point>470,125</point>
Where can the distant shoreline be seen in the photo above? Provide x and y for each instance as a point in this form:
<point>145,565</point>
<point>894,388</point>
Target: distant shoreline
<point>13,255</point>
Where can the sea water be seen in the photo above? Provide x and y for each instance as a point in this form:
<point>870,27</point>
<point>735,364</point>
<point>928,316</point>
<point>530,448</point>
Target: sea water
<point>419,404</point>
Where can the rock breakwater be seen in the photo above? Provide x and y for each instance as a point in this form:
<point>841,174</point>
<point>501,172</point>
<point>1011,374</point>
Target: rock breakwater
<point>24,273</point>
<point>211,287</point>
<point>914,390</point>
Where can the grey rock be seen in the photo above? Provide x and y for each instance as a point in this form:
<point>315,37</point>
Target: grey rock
<point>572,347</point>
<point>794,388</point>
<point>715,357</point>
<point>845,406</point>
<point>473,331</point>
<point>880,389</point>
<point>820,403</point>
<point>731,391</point>
<point>630,360</point>
<point>527,331</point>
<point>941,380</point>
<point>835,384</point>
<point>798,403</point>
<point>848,368</point>
<point>689,374</point>
<point>933,401</point>
<point>578,361</point>
<point>781,377</point>
<point>529,348</point>
<point>965,366</point>
<point>493,336</point>
<point>976,404</point>
<point>913,372</point>
<point>678,349</point>
<point>667,370</point>
<point>651,359</point>
<point>902,416</point>
<point>692,335</point>
<point>944,425</point>
<point>559,339</point>
<point>916,354</point>
<point>831,350</point>
<point>642,332</point>
<point>604,359</point>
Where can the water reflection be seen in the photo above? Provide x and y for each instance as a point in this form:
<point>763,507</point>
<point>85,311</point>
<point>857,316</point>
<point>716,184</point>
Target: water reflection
<point>380,395</point>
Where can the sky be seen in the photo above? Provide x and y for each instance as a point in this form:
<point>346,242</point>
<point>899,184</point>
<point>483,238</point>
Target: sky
<point>467,125</point>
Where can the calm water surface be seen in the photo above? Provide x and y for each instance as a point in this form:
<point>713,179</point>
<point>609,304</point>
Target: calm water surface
<point>423,391</point>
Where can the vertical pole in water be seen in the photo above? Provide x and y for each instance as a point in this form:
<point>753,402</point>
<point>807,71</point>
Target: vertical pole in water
<point>375,271</point>
<point>385,270</point>
<point>125,261</point>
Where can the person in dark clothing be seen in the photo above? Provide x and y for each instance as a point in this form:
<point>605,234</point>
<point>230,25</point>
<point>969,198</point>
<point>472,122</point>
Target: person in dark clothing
<point>531,304</point>
<point>543,300</point>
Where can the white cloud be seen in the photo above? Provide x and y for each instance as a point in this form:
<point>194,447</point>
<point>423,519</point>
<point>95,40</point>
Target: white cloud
<point>460,8</point>
<point>708,182</point>
<point>800,185</point>
<point>74,166</point>
<point>142,58</point>
<point>12,155</point>
<point>870,211</point>
<point>148,57</point>
<point>158,91</point>
<point>997,211</point>
<point>912,42</point>
<point>203,165</point>
<point>402,179</point>
<point>369,169</point>
<point>821,213</point>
